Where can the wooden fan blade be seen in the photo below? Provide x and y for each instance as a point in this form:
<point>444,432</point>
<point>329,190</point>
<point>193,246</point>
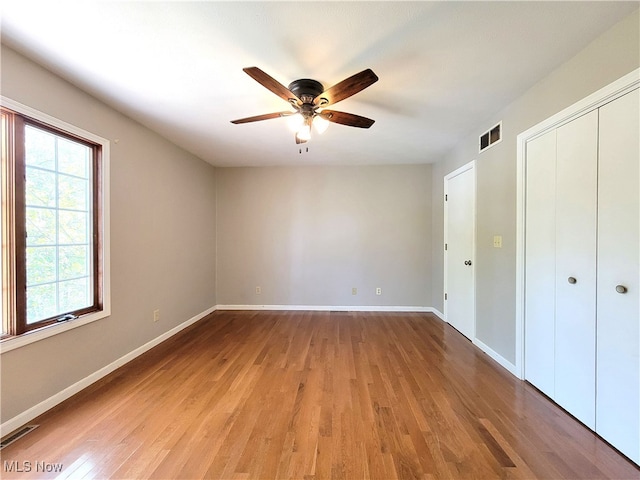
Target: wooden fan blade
<point>348,119</point>
<point>272,84</point>
<point>266,116</point>
<point>346,88</point>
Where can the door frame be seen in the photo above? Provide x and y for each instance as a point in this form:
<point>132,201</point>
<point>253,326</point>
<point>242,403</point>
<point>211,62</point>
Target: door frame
<point>468,166</point>
<point>604,95</point>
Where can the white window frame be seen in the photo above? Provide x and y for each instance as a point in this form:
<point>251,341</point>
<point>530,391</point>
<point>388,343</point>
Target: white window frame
<point>13,342</point>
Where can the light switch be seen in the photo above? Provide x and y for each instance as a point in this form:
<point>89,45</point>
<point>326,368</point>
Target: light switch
<point>497,241</point>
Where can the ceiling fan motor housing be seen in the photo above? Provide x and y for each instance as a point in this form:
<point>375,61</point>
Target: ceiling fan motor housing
<point>306,89</point>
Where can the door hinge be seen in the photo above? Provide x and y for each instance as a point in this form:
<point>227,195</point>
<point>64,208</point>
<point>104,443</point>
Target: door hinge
<point>445,246</point>
<point>445,296</point>
<point>446,198</point>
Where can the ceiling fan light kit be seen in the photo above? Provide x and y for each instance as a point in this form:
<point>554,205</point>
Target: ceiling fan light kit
<point>308,97</point>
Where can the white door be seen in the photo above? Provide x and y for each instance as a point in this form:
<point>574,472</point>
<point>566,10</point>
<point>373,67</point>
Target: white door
<point>540,261</point>
<point>560,275</point>
<point>575,268</point>
<point>459,305</point>
<point>618,337</point>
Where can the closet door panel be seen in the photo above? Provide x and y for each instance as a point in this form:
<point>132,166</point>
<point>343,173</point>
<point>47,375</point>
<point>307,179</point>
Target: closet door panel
<point>575,327</point>
<point>618,336</point>
<point>540,262</point>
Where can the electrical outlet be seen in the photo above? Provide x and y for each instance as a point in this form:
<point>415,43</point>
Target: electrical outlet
<point>156,315</point>
<point>258,290</point>
<point>497,241</point>
<point>378,291</point>
<point>354,291</point>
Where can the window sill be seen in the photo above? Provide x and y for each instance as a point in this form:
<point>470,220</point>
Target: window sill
<point>11,343</point>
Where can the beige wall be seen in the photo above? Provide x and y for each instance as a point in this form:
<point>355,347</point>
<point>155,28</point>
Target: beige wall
<point>307,235</point>
<point>162,242</point>
<point>609,57</point>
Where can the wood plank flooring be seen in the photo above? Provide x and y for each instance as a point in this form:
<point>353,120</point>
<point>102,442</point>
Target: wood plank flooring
<point>313,395</point>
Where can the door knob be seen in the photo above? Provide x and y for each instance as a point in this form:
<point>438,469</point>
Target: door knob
<point>621,289</point>
<point>467,262</point>
<point>572,280</point>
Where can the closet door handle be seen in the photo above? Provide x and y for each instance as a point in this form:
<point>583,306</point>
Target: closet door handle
<point>572,280</point>
<point>621,289</point>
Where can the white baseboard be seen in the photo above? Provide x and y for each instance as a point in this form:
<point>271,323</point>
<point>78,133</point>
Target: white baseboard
<point>436,312</point>
<point>326,308</point>
<point>31,413</point>
<point>497,357</point>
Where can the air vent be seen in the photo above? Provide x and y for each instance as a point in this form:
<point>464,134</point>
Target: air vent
<point>15,436</point>
<point>491,137</point>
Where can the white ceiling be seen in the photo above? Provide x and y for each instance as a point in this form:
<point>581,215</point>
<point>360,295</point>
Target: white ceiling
<point>176,67</point>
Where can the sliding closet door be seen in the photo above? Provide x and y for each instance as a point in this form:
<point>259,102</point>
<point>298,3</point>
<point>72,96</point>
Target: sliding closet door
<point>540,262</point>
<point>575,272</point>
<point>618,353</point>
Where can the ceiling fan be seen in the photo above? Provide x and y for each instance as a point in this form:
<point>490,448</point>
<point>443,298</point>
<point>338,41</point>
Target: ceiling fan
<point>309,99</point>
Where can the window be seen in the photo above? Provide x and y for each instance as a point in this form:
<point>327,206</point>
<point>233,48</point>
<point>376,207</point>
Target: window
<point>54,225</point>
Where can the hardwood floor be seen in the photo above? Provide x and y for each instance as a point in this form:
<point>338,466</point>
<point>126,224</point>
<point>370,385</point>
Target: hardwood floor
<point>313,395</point>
